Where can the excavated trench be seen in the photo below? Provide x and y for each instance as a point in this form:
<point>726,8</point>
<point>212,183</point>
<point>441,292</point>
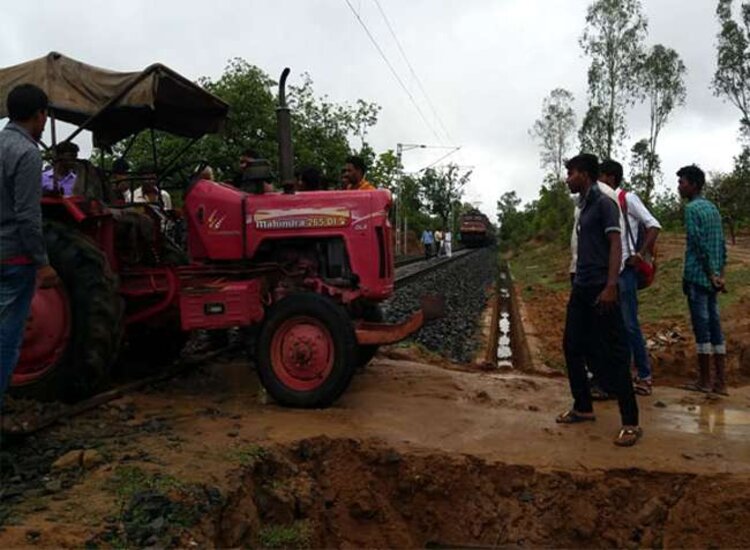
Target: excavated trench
<point>325,492</point>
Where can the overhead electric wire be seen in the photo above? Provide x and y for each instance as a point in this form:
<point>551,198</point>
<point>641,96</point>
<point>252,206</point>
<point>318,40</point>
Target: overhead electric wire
<point>445,156</point>
<point>393,70</point>
<point>411,69</point>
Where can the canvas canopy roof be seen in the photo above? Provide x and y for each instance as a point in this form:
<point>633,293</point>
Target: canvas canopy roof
<point>122,103</point>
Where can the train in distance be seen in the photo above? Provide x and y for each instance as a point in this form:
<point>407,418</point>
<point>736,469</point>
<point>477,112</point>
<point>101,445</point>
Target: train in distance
<point>475,229</point>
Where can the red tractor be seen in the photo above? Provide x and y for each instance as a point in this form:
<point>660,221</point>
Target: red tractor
<point>304,270</point>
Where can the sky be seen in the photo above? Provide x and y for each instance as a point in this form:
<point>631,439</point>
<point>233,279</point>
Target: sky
<point>483,68</point>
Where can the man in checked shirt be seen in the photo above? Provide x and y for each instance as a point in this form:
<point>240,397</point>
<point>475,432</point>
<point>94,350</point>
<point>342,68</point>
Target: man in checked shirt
<point>703,279</point>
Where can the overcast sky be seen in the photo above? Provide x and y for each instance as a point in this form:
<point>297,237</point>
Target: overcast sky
<point>485,64</point>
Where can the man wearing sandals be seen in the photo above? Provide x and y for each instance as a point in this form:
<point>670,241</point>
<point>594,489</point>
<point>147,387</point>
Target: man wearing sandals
<point>594,326</point>
<point>703,278</point>
<point>610,173</point>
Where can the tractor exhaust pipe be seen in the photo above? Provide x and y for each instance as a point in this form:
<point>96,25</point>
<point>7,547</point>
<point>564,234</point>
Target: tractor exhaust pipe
<point>284,129</point>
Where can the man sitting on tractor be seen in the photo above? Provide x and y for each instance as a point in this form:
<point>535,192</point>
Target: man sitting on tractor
<point>63,169</point>
<point>354,173</point>
<point>148,191</point>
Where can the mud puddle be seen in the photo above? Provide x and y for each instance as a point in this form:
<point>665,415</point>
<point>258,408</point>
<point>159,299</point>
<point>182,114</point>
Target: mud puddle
<point>324,492</point>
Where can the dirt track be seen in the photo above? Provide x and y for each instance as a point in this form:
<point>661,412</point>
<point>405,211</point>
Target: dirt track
<point>482,449</point>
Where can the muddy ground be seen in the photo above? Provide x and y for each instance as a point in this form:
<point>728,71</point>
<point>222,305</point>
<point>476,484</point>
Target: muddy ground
<point>413,455</point>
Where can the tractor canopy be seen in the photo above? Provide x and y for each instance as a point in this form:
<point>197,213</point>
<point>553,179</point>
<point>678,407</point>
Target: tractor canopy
<point>114,105</point>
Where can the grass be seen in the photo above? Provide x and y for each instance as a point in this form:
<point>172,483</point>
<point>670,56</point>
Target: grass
<point>247,455</point>
<point>296,535</point>
<point>546,265</point>
<point>129,480</point>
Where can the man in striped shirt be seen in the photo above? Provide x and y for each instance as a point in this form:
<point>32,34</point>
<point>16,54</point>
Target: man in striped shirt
<point>703,278</point>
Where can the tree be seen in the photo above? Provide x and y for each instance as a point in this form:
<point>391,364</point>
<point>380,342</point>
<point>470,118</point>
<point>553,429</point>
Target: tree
<point>555,130</point>
<point>613,40</point>
<point>320,128</point>
<point>645,168</point>
<point>661,76</point>
<point>385,171</point>
<point>732,76</point>
<point>441,188</point>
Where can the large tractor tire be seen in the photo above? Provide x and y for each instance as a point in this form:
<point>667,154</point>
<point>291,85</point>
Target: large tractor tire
<point>372,314</point>
<point>73,334</point>
<point>306,351</point>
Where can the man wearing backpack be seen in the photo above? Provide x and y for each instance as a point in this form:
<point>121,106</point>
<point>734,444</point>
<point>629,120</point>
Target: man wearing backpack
<point>638,240</point>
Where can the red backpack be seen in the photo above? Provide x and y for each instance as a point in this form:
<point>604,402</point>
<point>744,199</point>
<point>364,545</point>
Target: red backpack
<point>645,270</point>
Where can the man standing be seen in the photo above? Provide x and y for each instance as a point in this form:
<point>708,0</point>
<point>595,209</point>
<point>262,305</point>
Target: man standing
<point>23,258</point>
<point>63,170</point>
<point>438,243</point>
<point>600,391</point>
<point>703,278</point>
<point>593,325</point>
<point>447,240</point>
<point>354,174</point>
<point>636,213</point>
<point>427,243</point>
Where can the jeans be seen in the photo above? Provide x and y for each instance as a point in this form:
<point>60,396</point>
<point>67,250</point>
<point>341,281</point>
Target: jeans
<point>17,284</point>
<point>598,337</point>
<point>704,314</point>
<point>629,303</point>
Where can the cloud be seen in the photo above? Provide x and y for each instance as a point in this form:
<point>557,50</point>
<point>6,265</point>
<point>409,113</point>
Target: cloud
<point>486,65</point>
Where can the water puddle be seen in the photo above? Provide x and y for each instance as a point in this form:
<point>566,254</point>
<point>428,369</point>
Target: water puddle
<point>712,419</point>
<point>504,355</point>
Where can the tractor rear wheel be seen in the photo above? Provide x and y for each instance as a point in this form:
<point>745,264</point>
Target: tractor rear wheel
<point>73,334</point>
<point>306,351</point>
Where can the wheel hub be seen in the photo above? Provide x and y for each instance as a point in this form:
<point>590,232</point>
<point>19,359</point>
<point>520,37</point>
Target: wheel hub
<point>46,335</point>
<point>302,353</point>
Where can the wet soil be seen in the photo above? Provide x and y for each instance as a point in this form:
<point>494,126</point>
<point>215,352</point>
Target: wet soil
<point>412,454</point>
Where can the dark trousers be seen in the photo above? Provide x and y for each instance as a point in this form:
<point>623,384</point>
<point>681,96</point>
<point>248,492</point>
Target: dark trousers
<point>599,338</point>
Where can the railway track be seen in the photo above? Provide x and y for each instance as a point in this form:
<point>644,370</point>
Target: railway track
<point>416,268</point>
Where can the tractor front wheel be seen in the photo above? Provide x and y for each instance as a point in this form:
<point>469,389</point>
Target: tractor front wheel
<point>306,351</point>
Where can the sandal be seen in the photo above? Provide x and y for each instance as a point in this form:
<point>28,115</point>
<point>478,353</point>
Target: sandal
<point>695,386</point>
<point>628,436</point>
<point>642,386</point>
<point>574,417</point>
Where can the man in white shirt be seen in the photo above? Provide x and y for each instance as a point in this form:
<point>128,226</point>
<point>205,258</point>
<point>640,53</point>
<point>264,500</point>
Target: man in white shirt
<point>148,191</point>
<point>610,174</point>
<point>447,239</point>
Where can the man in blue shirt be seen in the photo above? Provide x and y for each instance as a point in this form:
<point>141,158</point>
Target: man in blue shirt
<point>427,241</point>
<point>23,256</point>
<point>594,327</point>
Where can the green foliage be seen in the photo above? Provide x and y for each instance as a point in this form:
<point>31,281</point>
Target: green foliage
<point>129,480</point>
<point>668,209</point>
<point>645,168</point>
<point>613,41</point>
<point>732,76</point>
<point>661,78</point>
<point>440,189</point>
<point>549,217</point>
<point>320,128</point>
<point>385,171</point>
<point>247,455</point>
<point>296,535</point>
<point>554,130</point>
